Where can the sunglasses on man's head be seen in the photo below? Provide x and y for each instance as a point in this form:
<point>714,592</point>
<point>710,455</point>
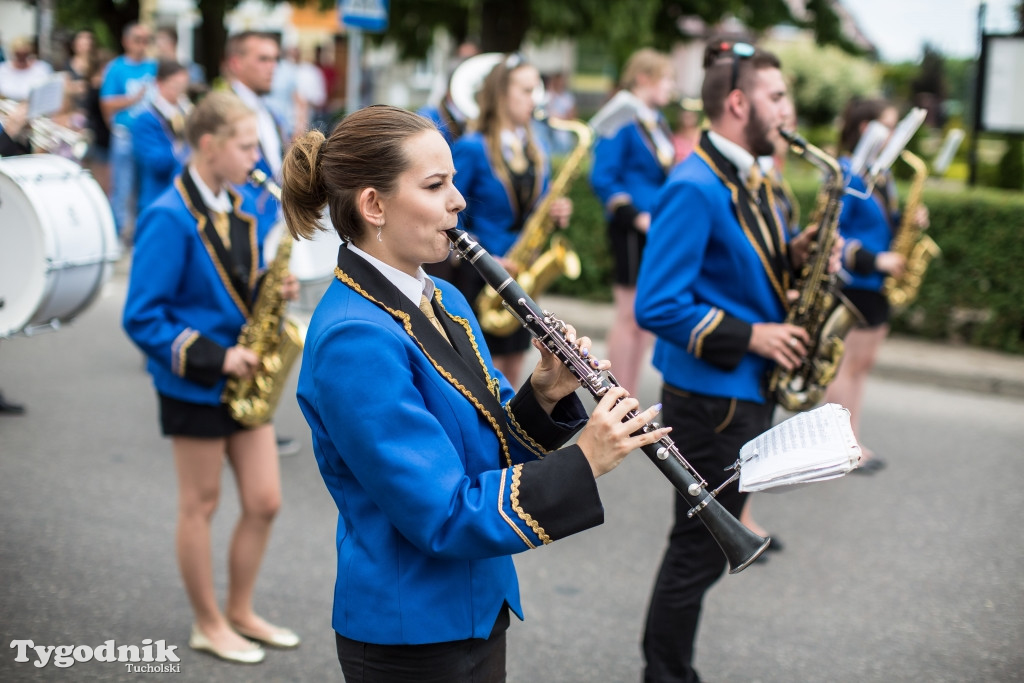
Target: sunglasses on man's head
<point>737,51</point>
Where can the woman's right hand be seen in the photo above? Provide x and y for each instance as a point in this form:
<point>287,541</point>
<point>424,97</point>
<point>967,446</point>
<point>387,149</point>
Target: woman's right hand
<point>240,362</point>
<point>606,439</point>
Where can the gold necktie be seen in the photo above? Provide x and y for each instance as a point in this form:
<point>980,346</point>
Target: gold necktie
<point>428,311</point>
<point>518,163</point>
<point>754,180</point>
<point>178,124</point>
<point>222,224</point>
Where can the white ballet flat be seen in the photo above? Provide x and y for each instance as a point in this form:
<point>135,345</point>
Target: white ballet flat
<point>283,638</point>
<point>251,655</point>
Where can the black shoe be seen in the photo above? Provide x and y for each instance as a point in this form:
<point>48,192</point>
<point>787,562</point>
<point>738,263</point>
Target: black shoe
<point>11,408</point>
<point>287,446</point>
<point>870,466</point>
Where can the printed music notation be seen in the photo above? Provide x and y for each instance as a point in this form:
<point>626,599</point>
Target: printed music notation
<point>812,446</point>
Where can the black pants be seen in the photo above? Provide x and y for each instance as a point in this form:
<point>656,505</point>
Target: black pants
<point>709,431</point>
<point>474,660</point>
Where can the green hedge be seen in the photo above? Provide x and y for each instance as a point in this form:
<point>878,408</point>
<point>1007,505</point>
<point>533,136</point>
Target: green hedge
<point>974,292</point>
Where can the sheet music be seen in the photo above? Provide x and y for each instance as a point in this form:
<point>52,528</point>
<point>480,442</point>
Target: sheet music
<point>46,98</point>
<point>811,446</point>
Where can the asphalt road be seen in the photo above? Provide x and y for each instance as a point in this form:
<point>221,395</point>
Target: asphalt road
<point>913,574</point>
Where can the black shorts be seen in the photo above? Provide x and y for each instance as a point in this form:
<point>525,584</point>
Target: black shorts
<point>874,306</point>
<point>181,418</point>
<point>627,246</point>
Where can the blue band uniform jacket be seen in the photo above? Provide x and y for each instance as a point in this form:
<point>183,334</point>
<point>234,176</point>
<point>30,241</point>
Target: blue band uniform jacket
<point>712,267</point>
<point>492,215</point>
<point>868,225</point>
<point>189,294</point>
<point>627,169</point>
<point>160,153</point>
<point>438,470</point>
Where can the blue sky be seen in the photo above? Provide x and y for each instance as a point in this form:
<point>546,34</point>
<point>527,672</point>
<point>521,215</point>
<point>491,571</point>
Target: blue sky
<point>901,27</point>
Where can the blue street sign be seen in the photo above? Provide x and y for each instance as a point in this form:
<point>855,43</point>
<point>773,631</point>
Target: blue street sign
<point>368,15</point>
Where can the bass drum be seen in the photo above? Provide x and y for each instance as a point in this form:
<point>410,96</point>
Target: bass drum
<point>57,242</point>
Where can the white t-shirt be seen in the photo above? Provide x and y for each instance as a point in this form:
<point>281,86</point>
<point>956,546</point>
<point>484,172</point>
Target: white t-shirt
<point>16,84</point>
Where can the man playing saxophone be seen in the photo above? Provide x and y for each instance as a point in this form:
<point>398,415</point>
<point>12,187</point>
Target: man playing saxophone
<point>714,289</point>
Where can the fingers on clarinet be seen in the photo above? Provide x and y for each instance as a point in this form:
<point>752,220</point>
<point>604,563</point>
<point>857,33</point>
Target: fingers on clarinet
<point>570,335</point>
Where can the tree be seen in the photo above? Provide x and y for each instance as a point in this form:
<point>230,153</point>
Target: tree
<point>621,25</point>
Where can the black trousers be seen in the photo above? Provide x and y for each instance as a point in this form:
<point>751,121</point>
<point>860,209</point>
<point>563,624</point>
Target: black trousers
<point>474,660</point>
<point>709,431</point>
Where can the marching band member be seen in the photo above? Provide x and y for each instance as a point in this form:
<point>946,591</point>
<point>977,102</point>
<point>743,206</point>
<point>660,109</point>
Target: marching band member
<point>868,225</point>
<point>158,133</point>
<point>714,289</point>
<point>631,163</point>
<point>503,174</point>
<point>194,277</point>
<point>439,469</point>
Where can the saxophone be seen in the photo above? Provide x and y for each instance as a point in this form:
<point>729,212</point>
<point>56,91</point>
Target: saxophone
<point>536,270</point>
<point>820,309</point>
<point>911,242</point>
<point>277,340</point>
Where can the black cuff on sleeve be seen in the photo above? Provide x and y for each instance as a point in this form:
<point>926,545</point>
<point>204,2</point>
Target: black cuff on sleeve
<point>550,431</point>
<point>560,493</point>
<point>863,261</point>
<point>727,344</point>
<point>623,217</point>
<point>204,362</point>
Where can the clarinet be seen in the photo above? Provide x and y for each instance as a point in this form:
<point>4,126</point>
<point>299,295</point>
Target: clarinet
<point>740,545</point>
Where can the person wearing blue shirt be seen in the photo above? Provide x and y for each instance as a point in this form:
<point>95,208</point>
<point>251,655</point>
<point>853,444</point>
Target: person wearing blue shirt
<point>439,469</point>
<point>504,173</point>
<point>125,87</point>
<point>868,224</point>
<point>632,158</point>
<point>158,133</point>
<point>195,273</point>
<point>714,289</point>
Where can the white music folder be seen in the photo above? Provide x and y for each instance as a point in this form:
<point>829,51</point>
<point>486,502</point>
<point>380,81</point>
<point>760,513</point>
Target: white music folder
<point>808,447</point>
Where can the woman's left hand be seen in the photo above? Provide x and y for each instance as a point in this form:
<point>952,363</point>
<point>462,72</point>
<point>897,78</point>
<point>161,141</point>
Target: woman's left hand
<point>561,211</point>
<point>551,380</point>
<point>290,287</point>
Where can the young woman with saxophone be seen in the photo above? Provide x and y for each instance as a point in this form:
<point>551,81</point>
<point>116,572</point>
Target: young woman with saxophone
<point>195,271</point>
<point>440,470</point>
<point>631,162</point>
<point>504,173</point>
<point>868,225</point>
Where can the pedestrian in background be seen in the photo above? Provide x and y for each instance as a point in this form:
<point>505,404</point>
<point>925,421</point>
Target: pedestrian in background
<point>126,85</point>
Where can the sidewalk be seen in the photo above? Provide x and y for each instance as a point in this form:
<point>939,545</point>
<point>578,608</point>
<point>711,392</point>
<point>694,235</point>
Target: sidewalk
<point>901,358</point>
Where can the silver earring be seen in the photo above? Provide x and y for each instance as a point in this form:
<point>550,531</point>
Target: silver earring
<point>380,226</point>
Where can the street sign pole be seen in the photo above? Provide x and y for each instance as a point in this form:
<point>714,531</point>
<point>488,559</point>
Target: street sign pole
<point>353,79</point>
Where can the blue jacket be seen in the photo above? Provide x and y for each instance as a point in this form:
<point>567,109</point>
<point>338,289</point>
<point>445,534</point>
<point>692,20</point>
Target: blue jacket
<point>158,156</point>
<point>626,164</point>
<point>437,480</point>
<point>706,278</point>
<point>867,226</point>
<point>182,309</point>
<point>491,214</point>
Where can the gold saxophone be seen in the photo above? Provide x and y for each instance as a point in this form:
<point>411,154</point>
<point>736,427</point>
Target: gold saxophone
<point>277,340</point>
<point>535,270</point>
<point>911,242</point>
<point>820,309</point>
